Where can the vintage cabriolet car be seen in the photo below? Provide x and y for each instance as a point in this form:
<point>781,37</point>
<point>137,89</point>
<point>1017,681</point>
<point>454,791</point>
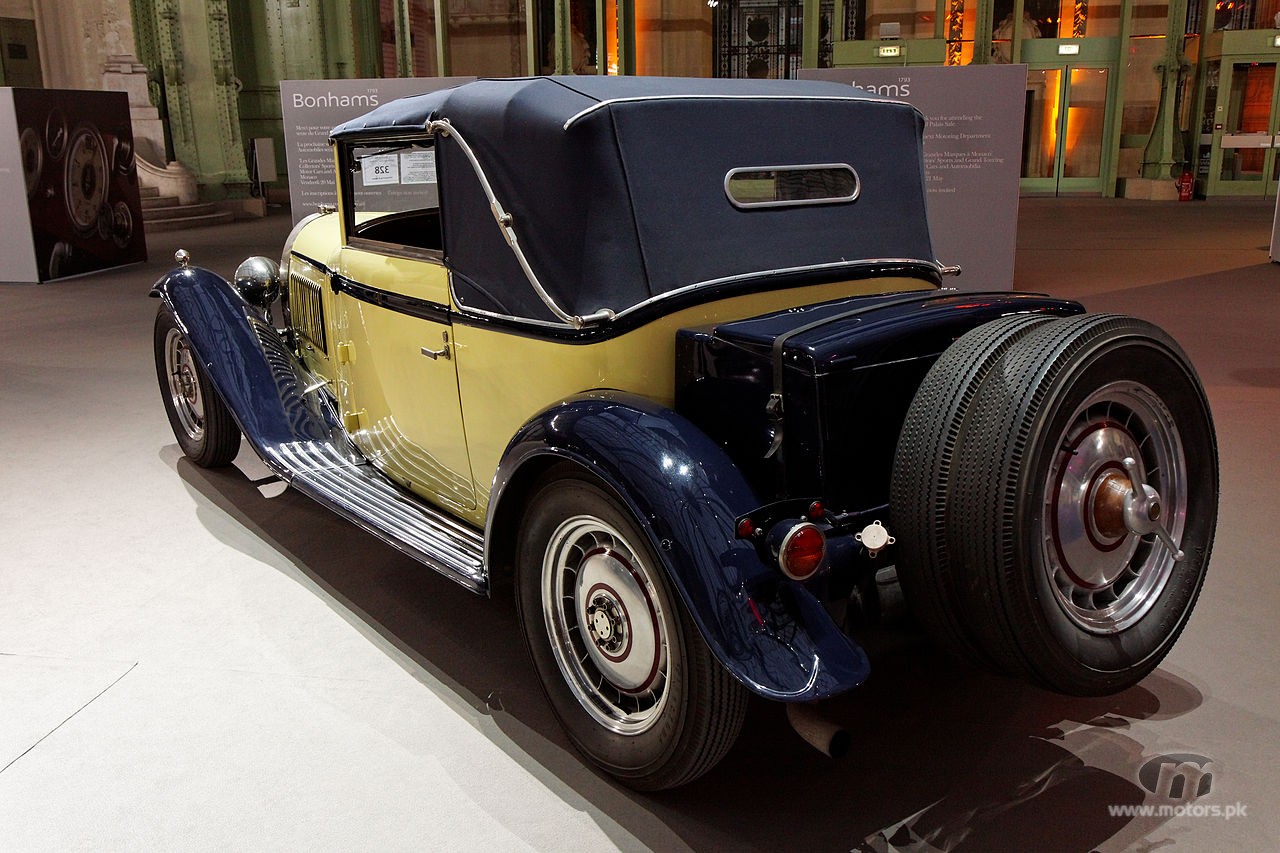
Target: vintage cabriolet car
<point>673,361</point>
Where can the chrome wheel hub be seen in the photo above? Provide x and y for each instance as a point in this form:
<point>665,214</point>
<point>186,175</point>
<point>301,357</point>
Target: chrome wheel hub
<point>1114,508</point>
<point>609,633</point>
<point>184,387</point>
<point>608,625</point>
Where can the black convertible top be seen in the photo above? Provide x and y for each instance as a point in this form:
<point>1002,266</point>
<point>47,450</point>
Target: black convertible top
<point>616,185</point>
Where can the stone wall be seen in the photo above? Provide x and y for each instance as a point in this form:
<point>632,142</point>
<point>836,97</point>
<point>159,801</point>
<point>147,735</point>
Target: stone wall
<point>78,38</point>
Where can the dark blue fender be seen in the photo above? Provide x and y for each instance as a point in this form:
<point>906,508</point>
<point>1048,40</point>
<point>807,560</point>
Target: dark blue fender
<point>247,361</point>
<point>685,493</point>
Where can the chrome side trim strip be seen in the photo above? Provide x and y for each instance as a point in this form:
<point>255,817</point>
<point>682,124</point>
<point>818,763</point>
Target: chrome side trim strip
<point>941,269</point>
<point>713,282</point>
<point>833,265</point>
<point>599,105</point>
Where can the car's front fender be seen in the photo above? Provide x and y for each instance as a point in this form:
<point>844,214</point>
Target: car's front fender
<point>685,493</point>
<point>246,360</point>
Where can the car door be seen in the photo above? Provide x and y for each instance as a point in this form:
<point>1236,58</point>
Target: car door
<point>398,373</point>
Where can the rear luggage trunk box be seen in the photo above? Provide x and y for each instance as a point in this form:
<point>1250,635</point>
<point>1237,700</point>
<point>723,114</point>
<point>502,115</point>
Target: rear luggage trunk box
<point>807,400</point>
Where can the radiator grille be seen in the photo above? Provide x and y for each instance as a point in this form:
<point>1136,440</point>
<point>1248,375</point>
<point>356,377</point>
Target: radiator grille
<point>305,311</point>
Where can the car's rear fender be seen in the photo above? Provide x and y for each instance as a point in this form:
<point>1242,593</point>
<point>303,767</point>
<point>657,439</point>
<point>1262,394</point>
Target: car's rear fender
<point>684,493</point>
<point>254,372</point>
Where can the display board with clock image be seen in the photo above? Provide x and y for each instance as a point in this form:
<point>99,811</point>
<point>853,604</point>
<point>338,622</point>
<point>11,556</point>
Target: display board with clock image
<point>81,180</point>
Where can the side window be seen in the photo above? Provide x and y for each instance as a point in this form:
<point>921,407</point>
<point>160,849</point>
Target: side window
<point>394,195</point>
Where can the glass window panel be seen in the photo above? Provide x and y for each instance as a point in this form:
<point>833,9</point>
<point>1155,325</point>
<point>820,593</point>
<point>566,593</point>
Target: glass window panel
<point>792,185</point>
<point>1004,29</point>
<point>1246,14</point>
<point>1149,17</point>
<point>1040,142</point>
<point>582,36</point>
<point>1212,77</point>
<point>394,197</point>
<point>1252,85</point>
<point>422,37</point>
<point>760,39</point>
<point>387,24</point>
<point>486,38</point>
<point>876,19</point>
<point>1086,113</point>
<point>610,49</point>
<point>673,37</point>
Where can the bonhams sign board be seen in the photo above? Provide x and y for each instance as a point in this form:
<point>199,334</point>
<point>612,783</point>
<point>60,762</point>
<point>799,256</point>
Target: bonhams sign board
<point>312,108</point>
<point>972,158</point>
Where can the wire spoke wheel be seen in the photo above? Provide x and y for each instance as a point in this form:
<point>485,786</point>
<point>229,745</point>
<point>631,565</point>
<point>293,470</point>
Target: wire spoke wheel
<point>200,420</point>
<point>184,386</point>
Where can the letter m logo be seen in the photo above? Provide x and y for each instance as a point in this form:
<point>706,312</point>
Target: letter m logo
<point>1181,777</point>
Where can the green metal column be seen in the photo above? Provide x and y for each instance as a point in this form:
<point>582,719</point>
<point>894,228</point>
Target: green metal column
<point>404,49</point>
<point>366,33</point>
<point>626,37</point>
<point>531,36</point>
<point>230,165</point>
<point>602,58</point>
<point>1164,153</point>
<point>169,45</point>
<point>201,91</point>
<point>811,18</point>
<point>983,26</point>
<point>146,43</point>
<point>444,62</point>
<point>562,41</point>
<point>1019,7</point>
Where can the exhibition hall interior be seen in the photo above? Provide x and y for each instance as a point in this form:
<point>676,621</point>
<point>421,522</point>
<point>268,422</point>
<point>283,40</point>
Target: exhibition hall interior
<point>684,425</point>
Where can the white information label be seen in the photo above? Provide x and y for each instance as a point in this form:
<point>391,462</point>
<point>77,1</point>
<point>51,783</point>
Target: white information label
<point>418,167</point>
<point>380,169</point>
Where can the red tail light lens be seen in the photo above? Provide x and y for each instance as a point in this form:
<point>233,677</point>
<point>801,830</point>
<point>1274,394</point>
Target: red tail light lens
<point>802,551</point>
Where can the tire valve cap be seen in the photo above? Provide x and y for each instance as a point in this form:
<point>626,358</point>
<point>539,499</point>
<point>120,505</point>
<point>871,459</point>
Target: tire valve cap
<point>874,537</point>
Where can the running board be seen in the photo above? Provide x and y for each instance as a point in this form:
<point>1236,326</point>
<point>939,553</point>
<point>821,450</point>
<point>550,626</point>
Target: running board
<point>356,491</point>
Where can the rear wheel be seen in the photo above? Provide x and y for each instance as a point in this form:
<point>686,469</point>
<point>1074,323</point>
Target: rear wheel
<point>205,430</point>
<point>625,669</point>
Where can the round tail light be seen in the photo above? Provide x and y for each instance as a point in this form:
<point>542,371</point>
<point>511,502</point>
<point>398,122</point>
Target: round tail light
<point>802,551</point>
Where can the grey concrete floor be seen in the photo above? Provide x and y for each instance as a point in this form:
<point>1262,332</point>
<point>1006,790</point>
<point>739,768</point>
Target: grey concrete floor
<point>200,660</point>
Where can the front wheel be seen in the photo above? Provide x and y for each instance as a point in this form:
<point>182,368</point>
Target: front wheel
<point>626,671</point>
<point>205,430</point>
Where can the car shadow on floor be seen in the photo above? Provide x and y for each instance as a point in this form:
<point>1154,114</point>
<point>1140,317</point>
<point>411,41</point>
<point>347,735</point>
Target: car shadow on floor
<point>943,758</point>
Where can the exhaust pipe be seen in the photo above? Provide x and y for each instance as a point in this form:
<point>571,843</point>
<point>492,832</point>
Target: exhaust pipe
<point>817,731</point>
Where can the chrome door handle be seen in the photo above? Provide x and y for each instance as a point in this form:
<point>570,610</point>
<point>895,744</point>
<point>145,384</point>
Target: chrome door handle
<point>443,352</point>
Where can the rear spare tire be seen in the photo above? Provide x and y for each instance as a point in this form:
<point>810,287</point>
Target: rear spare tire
<point>1085,464</point>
